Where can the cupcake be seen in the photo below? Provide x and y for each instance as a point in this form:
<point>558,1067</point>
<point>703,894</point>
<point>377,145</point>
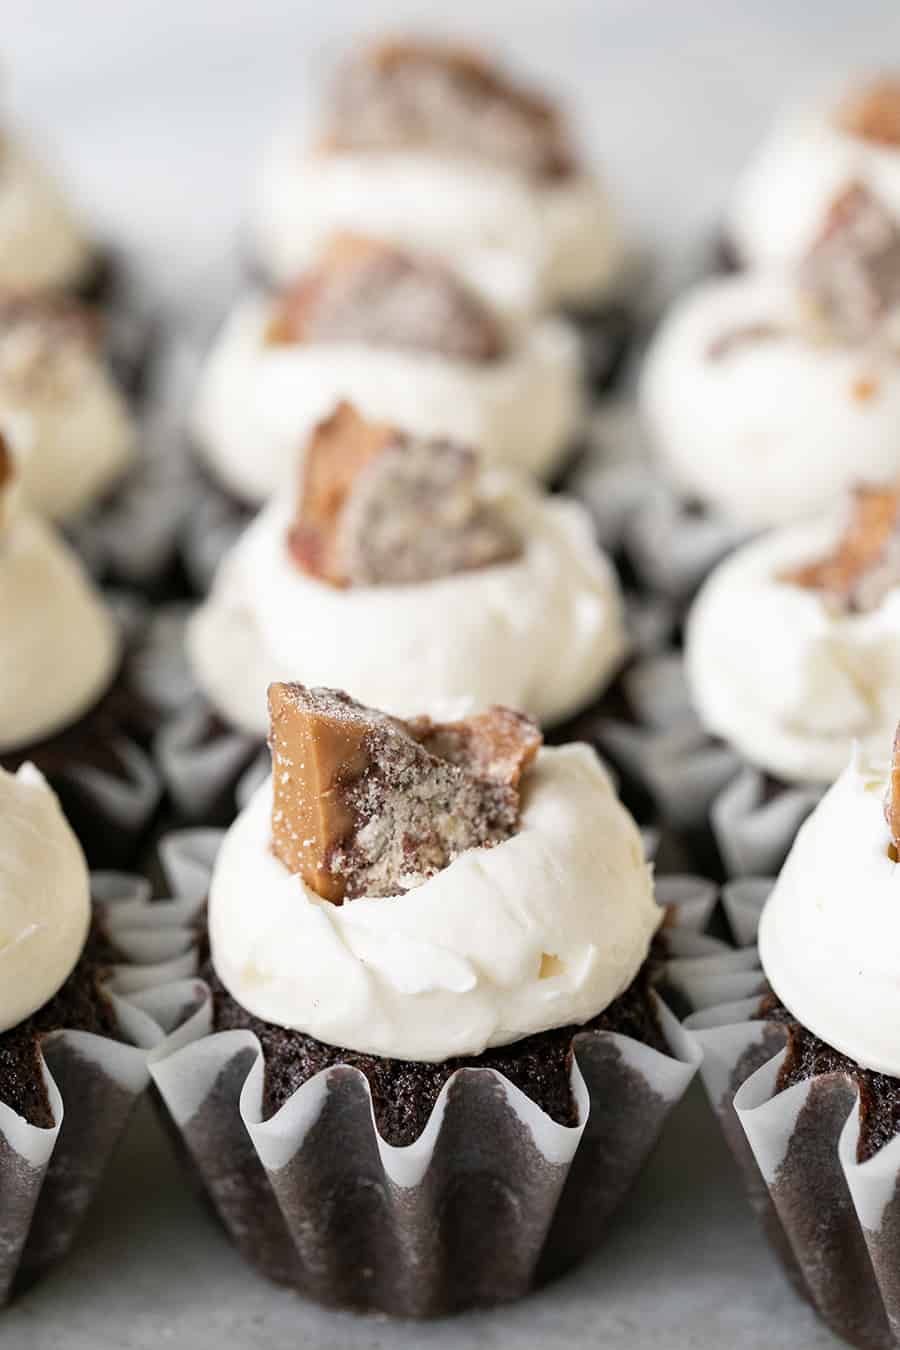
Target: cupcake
<point>768,395</point>
<point>802,1061</point>
<point>431,146</point>
<point>65,698</point>
<point>72,1043</point>
<point>404,339</point>
<point>43,246</point>
<point>792,647</point>
<point>430,949</point>
<point>68,423</point>
<point>812,156</point>
<point>405,569</point>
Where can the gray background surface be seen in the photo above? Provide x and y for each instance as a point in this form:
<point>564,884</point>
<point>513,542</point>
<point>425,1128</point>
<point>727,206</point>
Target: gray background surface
<point>157,108</point>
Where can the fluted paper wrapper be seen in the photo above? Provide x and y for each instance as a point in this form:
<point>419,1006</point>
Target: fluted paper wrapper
<point>735,821</point>
<point>834,1222</point>
<point>494,1196</point>
<point>49,1177</point>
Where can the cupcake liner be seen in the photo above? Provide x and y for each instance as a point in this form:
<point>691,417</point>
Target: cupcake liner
<point>49,1177</point>
<point>834,1222</point>
<point>493,1198</point>
<point>733,819</point>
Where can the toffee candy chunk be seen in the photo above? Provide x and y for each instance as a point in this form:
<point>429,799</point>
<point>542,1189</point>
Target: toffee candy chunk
<point>448,98</point>
<point>365,804</point>
<point>851,275</point>
<point>873,112</point>
<point>368,292</point>
<point>866,563</point>
<point>378,507</point>
<point>892,798</point>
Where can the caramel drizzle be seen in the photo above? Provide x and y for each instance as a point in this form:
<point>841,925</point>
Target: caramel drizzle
<point>873,522</point>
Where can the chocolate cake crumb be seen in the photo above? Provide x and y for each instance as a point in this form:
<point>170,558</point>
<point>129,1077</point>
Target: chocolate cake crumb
<point>865,565</point>
<point>380,296</point>
<point>378,507</point>
<point>80,1005</point>
<point>366,804</point>
<point>850,278</point>
<point>808,1057</point>
<point>447,98</point>
<point>873,112</point>
<point>404,1092</point>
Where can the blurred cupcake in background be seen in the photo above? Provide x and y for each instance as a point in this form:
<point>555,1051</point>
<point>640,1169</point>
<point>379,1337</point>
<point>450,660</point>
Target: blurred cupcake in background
<point>409,571</point>
<point>403,338</point>
<point>810,157</point>
<point>429,145</point>
<point>432,953</point>
<point>66,703</point>
<point>43,245</point>
<point>69,425</point>
<point>793,644</point>
<point>768,395</point>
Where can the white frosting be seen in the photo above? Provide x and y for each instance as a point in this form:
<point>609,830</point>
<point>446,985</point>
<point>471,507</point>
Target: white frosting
<point>775,430</point>
<point>258,403</point>
<point>453,965</point>
<point>59,646</point>
<point>45,896</point>
<point>464,210</point>
<point>778,675</point>
<point>829,938</point>
<point>42,245</point>
<point>72,433</point>
<point>781,199</point>
<point>543,633</point>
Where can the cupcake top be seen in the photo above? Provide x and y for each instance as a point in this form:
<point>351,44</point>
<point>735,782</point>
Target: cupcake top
<point>420,890</point>
<point>830,931</point>
<point>449,100</point>
<point>431,144</point>
<point>42,244</point>
<point>813,155</point>
<point>406,569</point>
<point>72,432</point>
<point>45,899</point>
<point>793,644</point>
<point>59,646</point>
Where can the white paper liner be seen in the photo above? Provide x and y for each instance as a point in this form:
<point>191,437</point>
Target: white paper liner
<point>833,1221</point>
<point>492,1198</point>
<point>734,815</point>
<point>49,1176</point>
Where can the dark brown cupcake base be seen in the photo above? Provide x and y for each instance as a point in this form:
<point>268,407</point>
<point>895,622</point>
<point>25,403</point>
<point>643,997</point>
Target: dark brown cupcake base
<point>107,741</point>
<point>404,1093</point>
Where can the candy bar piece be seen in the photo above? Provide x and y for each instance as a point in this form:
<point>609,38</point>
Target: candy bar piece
<point>366,804</point>
<point>873,112</point>
<point>866,562</point>
<point>850,279</point>
<point>892,796</point>
<point>379,296</point>
<point>381,508</point>
<point>407,94</point>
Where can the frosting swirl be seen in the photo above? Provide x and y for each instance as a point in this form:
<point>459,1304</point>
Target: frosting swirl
<point>42,245</point>
<point>830,931</point>
<point>544,929</point>
<point>45,899</point>
<point>542,632</point>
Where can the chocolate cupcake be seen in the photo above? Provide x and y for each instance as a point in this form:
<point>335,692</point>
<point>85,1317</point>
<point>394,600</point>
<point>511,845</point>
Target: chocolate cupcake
<point>802,1062</point>
<point>811,155</point>
<point>444,1061</point>
<point>404,338</point>
<point>432,146</point>
<point>406,569</point>
<point>75,1022</point>
<point>767,396</point>
<point>66,703</point>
